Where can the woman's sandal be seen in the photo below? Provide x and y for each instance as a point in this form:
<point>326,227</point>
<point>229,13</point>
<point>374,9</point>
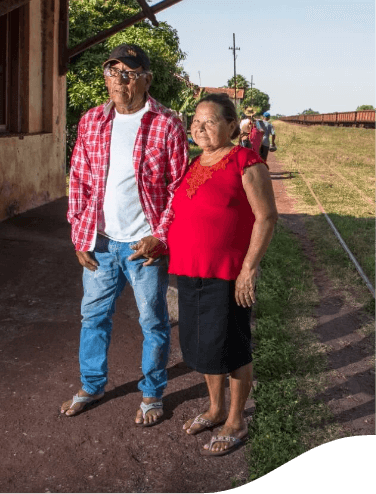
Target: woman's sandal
<point>145,409</point>
<point>235,442</point>
<point>206,424</point>
<point>87,400</point>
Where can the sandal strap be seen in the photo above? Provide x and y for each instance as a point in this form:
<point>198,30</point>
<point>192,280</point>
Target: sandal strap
<point>200,420</point>
<point>83,399</point>
<point>80,399</point>
<point>225,439</point>
<point>145,408</point>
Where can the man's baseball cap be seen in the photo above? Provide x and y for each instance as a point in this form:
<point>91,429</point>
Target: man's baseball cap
<point>266,114</point>
<point>131,55</point>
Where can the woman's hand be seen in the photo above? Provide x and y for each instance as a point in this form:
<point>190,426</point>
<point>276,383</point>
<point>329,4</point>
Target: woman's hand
<point>245,287</point>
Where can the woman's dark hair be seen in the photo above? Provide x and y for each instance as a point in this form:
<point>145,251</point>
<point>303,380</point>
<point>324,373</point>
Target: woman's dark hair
<point>228,109</point>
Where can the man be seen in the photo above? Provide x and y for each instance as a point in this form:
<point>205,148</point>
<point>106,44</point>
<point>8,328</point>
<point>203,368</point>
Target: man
<point>130,156</point>
<point>268,129</point>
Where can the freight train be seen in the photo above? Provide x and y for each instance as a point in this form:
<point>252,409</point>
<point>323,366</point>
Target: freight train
<point>361,118</point>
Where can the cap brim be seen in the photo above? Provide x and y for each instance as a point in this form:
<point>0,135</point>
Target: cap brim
<point>128,61</point>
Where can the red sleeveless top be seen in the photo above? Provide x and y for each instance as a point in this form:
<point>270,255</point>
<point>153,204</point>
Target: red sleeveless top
<point>213,220</point>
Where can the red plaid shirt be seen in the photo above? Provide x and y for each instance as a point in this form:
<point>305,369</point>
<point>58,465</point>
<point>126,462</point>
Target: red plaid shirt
<point>160,158</point>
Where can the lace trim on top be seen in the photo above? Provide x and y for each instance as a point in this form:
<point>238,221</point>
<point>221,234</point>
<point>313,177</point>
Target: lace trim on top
<point>200,174</point>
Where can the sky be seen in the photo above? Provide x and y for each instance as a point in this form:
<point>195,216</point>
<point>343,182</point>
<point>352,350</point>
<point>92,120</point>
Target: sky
<point>317,54</point>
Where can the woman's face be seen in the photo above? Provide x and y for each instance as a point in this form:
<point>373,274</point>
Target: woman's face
<point>209,129</point>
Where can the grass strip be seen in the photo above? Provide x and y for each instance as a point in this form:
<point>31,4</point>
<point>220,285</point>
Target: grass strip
<point>320,152</point>
<point>288,360</point>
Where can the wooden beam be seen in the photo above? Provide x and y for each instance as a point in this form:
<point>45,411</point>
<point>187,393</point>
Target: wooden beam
<point>98,38</point>
<point>7,6</point>
<point>148,12</point>
<point>63,36</point>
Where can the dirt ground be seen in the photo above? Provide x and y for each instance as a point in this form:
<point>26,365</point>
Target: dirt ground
<point>101,450</point>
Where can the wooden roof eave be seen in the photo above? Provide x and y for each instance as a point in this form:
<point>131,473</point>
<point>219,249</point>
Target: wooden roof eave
<point>7,6</point>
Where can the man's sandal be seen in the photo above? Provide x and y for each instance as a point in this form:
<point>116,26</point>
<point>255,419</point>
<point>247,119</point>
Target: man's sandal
<point>206,424</point>
<point>235,442</point>
<point>145,409</point>
<point>87,400</point>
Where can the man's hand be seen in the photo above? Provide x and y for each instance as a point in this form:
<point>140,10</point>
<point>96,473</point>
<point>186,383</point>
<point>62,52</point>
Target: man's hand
<point>149,247</point>
<point>86,260</point>
<point>245,288</point>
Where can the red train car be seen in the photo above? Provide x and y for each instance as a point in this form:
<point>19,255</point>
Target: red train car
<point>362,118</point>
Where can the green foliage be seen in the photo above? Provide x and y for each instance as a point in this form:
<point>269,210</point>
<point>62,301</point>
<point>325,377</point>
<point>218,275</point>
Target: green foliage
<point>241,82</point>
<point>257,99</point>
<point>187,100</point>
<point>85,83</point>
<point>365,107</point>
<point>309,112</point>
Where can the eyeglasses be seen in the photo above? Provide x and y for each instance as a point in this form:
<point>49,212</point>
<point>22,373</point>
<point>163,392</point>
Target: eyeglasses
<point>125,74</point>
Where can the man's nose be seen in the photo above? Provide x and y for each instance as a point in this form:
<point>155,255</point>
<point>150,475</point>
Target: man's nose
<point>122,80</point>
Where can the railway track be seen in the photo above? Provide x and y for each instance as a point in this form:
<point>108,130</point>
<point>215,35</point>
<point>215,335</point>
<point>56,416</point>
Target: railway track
<point>338,236</point>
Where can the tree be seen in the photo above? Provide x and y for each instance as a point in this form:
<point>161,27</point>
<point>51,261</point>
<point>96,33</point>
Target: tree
<point>85,83</point>
<point>241,82</point>
<point>309,112</point>
<point>257,99</point>
<point>365,107</point>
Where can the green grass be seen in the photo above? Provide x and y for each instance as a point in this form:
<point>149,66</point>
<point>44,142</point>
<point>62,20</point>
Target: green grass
<point>289,362</point>
<point>338,163</point>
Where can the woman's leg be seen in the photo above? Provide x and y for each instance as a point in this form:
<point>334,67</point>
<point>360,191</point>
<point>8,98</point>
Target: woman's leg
<point>235,425</point>
<point>217,409</point>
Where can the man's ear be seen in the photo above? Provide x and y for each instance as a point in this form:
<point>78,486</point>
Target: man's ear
<point>148,78</point>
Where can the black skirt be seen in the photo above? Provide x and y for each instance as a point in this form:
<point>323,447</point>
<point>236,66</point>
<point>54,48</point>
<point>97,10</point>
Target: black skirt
<point>214,332</point>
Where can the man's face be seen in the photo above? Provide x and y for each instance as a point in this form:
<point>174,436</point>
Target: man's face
<point>129,94</point>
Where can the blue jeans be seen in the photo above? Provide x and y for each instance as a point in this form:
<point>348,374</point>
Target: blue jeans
<point>101,289</point>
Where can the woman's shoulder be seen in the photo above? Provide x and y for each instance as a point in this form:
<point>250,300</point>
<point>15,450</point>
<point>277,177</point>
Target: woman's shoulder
<point>245,157</point>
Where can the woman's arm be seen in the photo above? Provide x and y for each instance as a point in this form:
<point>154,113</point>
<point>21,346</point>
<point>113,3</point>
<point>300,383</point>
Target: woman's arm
<point>258,187</point>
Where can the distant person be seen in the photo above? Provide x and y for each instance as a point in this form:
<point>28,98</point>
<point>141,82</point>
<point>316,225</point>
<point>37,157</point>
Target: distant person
<point>251,133</point>
<point>224,215</point>
<point>130,156</point>
<point>268,129</point>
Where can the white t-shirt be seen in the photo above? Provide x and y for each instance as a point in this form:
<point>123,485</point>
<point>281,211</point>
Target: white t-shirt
<point>123,218</point>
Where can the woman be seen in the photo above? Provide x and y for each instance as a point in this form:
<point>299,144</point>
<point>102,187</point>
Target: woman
<point>251,133</point>
<point>224,218</point>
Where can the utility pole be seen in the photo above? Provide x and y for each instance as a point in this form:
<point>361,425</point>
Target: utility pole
<point>251,90</point>
<point>199,76</point>
<point>234,48</point>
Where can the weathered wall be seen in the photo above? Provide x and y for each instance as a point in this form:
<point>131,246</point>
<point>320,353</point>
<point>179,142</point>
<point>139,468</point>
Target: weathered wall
<point>32,166</point>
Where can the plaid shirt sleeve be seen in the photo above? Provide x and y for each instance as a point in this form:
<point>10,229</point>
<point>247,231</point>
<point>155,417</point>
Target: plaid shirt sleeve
<point>176,167</point>
<point>80,183</point>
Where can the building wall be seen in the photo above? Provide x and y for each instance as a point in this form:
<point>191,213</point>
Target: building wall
<point>32,165</point>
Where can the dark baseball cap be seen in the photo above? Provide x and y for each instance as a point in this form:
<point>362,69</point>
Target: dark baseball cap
<point>131,55</point>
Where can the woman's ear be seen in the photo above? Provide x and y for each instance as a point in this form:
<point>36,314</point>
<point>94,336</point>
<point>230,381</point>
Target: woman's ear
<point>232,126</point>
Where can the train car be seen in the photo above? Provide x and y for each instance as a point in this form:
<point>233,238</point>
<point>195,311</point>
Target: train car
<point>362,118</point>
<point>329,118</point>
<point>366,118</point>
<point>346,118</point>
